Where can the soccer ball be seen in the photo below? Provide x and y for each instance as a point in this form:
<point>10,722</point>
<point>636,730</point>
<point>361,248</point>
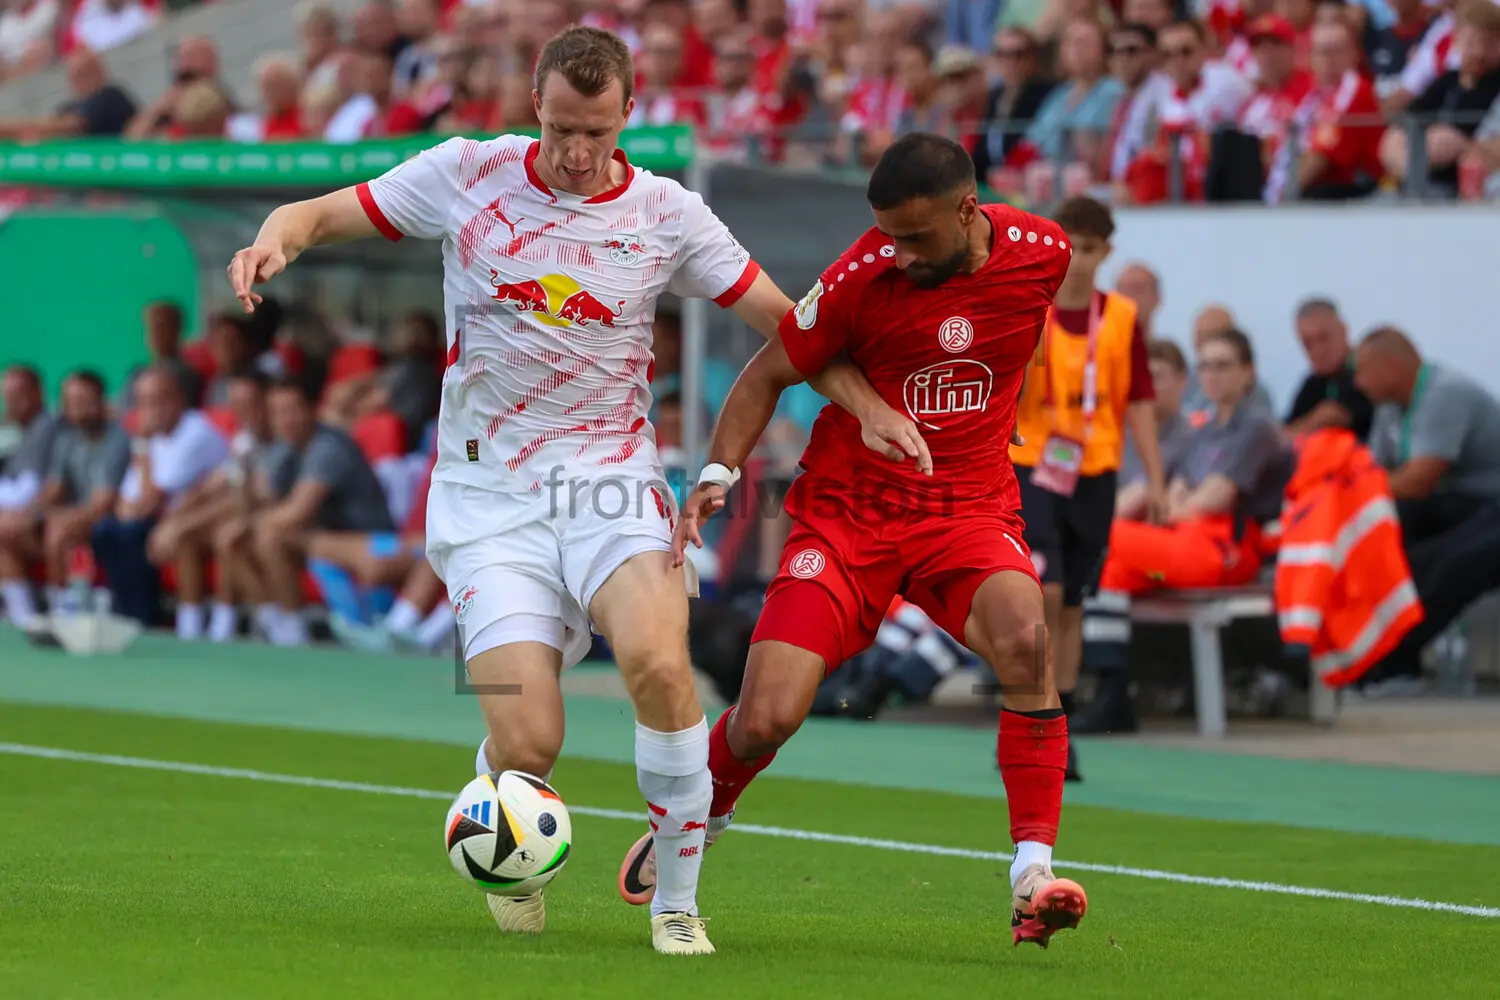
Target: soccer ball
<point>508,833</point>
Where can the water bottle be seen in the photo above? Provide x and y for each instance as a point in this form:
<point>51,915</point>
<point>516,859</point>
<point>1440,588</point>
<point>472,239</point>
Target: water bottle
<point>1455,676</point>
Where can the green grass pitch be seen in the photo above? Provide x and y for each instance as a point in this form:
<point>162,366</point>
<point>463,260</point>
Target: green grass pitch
<point>127,882</point>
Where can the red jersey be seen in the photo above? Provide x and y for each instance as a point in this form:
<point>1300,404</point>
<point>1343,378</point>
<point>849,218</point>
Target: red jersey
<point>952,358</point>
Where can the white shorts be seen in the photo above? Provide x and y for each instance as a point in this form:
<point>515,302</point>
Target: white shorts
<point>525,566</point>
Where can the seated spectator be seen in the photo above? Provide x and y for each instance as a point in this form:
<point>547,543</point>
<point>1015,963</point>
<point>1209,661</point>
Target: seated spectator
<point>88,465</point>
<point>1338,124</point>
<point>333,489</point>
<point>1433,56</point>
<point>436,94</point>
<point>196,60</point>
<point>100,25</point>
<point>230,345</point>
<point>1282,89</point>
<point>1210,322</point>
<point>660,100</point>
<point>28,29</point>
<point>1073,122</point>
<point>1013,104</point>
<point>1169,377</point>
<point>98,107</point>
<point>365,80</point>
<point>1328,396</point>
<point>410,385</point>
<point>279,119</point>
<point>1141,285</point>
<point>177,448</point>
<point>1228,477</point>
<point>1391,47</point>
<point>417,22</point>
<point>200,112</point>
<point>352,570</point>
<point>963,93</point>
<point>1206,96</point>
<point>244,482</point>
<point>1133,58</point>
<point>737,114</point>
<point>1437,431</point>
<point>163,323</point>
<point>922,110</point>
<point>318,27</point>
<point>30,440</point>
<point>1449,112</point>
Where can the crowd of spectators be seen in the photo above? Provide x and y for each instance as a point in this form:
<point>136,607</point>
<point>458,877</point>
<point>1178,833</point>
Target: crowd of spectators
<point>1143,99</point>
<point>230,480</point>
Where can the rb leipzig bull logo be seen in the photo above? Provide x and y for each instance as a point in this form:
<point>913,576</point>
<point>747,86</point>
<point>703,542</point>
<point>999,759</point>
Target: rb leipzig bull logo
<point>556,300</point>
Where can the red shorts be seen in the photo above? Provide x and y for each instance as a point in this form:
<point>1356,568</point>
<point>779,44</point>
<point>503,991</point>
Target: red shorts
<point>847,558</point>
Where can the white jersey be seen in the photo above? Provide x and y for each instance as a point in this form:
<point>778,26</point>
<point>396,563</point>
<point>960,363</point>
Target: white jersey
<point>549,299</point>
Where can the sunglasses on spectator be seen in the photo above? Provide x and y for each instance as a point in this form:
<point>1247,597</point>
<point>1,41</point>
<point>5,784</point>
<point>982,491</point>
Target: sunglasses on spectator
<point>1126,50</point>
<point>833,15</point>
<point>1180,53</point>
<point>1012,53</point>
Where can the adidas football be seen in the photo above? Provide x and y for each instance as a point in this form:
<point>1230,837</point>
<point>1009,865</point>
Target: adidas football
<point>508,833</point>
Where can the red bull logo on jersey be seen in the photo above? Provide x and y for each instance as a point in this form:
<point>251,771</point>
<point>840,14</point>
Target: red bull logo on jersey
<point>625,248</point>
<point>939,393</point>
<point>556,300</point>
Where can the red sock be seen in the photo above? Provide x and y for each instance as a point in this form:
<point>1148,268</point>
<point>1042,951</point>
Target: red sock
<point>1033,756</point>
<point>730,773</point>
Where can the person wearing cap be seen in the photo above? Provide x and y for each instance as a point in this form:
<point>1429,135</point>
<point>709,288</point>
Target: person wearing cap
<point>963,92</point>
<point>1282,89</point>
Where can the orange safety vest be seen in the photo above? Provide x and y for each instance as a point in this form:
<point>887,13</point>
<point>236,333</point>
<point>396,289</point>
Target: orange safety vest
<point>1052,402</point>
<point>1343,587</point>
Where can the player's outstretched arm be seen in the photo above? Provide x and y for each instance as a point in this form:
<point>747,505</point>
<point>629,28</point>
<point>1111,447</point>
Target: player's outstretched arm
<point>290,231</point>
<point>764,307</point>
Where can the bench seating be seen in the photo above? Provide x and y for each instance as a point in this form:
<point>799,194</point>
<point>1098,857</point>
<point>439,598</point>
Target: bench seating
<point>1205,613</point>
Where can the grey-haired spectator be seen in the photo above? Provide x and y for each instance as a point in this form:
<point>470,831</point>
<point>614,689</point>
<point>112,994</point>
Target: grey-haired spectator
<point>1328,396</point>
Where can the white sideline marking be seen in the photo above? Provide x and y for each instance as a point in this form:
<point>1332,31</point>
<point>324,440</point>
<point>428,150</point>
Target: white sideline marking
<point>1399,902</point>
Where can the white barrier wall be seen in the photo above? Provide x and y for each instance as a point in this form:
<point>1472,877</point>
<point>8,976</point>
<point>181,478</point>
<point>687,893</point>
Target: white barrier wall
<point>1433,271</point>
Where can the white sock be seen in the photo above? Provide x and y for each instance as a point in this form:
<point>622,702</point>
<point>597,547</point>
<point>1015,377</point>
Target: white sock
<point>223,623</point>
<point>266,617</point>
<point>18,603</point>
<point>672,772</point>
<point>404,616</point>
<point>190,622</point>
<point>436,628</point>
<point>290,629</point>
<point>1028,853</point>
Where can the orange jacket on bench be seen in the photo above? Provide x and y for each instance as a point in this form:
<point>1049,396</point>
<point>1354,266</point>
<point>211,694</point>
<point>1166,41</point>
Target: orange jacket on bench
<point>1343,588</point>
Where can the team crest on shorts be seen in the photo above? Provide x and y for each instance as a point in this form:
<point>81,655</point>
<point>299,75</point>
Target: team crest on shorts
<point>464,604</point>
<point>807,564</point>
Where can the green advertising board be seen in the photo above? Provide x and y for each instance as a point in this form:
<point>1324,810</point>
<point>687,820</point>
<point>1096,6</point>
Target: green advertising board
<point>109,163</point>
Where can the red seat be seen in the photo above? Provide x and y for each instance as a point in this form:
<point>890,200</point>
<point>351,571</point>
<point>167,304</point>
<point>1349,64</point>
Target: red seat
<point>199,358</point>
<point>380,435</point>
<point>351,361</point>
<point>224,419</point>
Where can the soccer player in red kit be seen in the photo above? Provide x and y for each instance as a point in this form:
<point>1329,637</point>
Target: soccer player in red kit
<point>941,306</point>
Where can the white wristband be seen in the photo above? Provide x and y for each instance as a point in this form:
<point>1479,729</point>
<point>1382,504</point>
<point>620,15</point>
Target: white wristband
<point>719,474</point>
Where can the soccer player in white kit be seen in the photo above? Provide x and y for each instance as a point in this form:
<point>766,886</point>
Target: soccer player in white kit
<point>548,510</point>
